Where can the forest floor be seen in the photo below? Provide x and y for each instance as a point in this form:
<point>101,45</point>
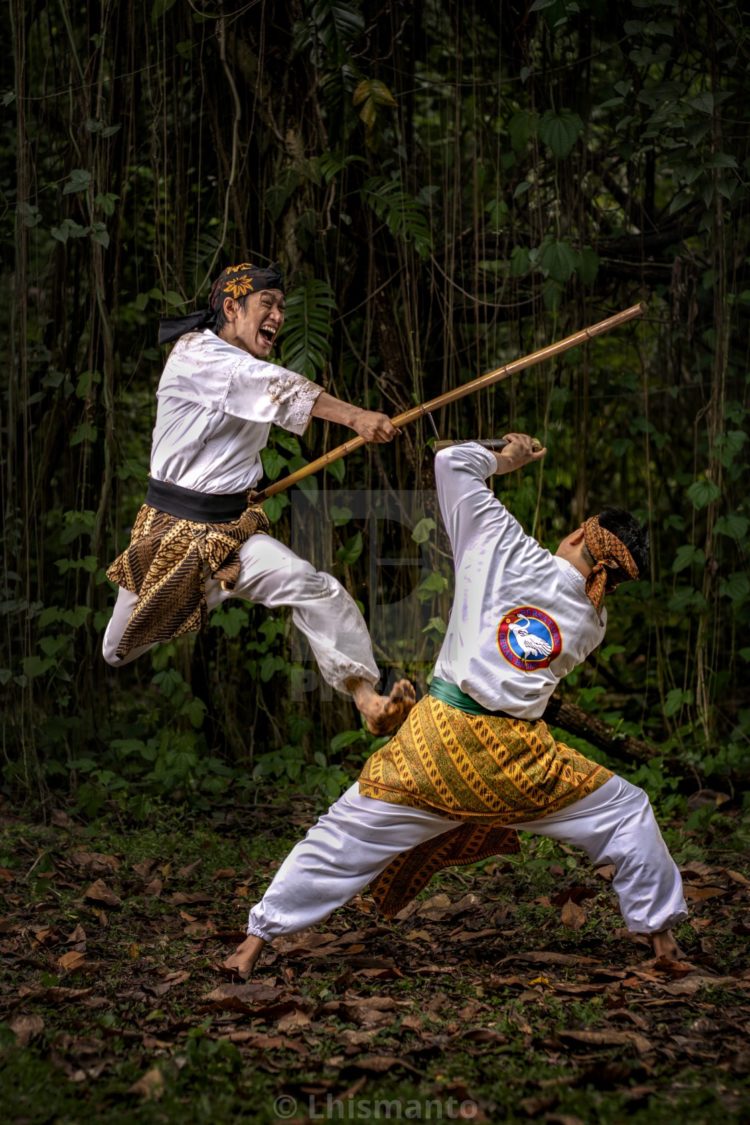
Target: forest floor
<point>508,993</point>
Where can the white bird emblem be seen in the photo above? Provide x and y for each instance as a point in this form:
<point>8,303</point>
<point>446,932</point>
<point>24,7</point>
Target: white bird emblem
<point>529,643</point>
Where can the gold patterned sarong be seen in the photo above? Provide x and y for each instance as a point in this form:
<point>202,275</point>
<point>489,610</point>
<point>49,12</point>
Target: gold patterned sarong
<point>167,563</point>
<point>490,771</point>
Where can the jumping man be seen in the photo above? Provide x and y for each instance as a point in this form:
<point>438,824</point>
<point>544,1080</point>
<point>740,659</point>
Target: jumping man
<point>198,539</point>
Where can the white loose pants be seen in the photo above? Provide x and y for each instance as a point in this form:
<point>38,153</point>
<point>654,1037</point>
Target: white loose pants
<point>358,837</point>
<point>272,575</point>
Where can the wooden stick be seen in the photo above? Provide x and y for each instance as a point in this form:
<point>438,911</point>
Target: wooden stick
<point>475,385</point>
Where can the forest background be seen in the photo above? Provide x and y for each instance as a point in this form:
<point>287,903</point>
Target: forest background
<point>447,186</point>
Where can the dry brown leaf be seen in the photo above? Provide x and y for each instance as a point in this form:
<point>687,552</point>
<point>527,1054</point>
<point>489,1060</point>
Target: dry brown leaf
<point>688,986</point>
<point>189,869</point>
<point>700,894</point>
<point>609,1038</point>
<point>154,887</point>
<point>737,877</point>
<point>419,935</point>
<point>572,915</point>
<point>179,898</point>
<point>55,995</point>
<point>293,1021</point>
<point>77,937</point>
<point>241,997</point>
<point>95,863</point>
<point>26,1028</point>
<point>199,930</point>
<point>144,868</point>
<point>267,1042</point>
<point>100,892</point>
<point>71,961</point>
<point>149,1086</point>
<point>381,1064</point>
<point>607,872</point>
<point>224,873</point>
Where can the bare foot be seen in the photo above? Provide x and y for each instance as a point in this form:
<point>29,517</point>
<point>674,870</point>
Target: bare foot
<point>242,961</point>
<point>664,945</point>
<point>382,713</point>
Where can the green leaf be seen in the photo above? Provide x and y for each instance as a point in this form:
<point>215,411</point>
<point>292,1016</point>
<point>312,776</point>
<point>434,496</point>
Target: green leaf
<point>85,432</point>
<point>676,700</point>
<point>560,131</point>
<point>340,515</point>
<point>351,550</point>
<point>86,381</point>
<point>688,555</point>
<point>734,526</point>
<point>346,738</point>
<point>520,261</point>
<point>558,260</point>
<point>34,666</point>
<point>736,587</point>
<point>80,178</point>
<point>100,234</point>
<point>273,463</point>
<point>703,492</point>
<point>337,469</point>
<point>68,229</point>
<point>422,530</point>
<point>231,619</point>
<point>274,506</point>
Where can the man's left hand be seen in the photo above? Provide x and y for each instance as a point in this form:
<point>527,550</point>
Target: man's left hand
<point>520,450</point>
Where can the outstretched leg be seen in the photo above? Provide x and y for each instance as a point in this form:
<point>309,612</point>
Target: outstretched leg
<point>274,576</point>
<point>616,824</point>
<point>355,840</point>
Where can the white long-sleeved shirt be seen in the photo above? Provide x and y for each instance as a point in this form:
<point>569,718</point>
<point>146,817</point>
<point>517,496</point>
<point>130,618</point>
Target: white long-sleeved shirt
<point>215,407</point>
<point>520,619</point>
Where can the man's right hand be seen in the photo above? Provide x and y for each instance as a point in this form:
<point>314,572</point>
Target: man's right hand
<point>520,450</point>
<point>373,426</point>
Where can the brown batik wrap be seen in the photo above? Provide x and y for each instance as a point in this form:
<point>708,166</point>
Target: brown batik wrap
<point>166,565</point>
<point>613,562</point>
<point>489,771</point>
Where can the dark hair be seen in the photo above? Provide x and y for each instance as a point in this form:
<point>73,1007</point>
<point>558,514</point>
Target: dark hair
<point>630,533</point>
<point>220,317</point>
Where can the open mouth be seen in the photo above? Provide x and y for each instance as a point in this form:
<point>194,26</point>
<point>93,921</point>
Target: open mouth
<point>268,333</point>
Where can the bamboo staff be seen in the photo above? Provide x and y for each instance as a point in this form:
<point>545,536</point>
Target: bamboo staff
<point>475,385</point>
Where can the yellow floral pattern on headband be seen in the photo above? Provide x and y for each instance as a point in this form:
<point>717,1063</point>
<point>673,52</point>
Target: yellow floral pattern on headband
<point>239,288</point>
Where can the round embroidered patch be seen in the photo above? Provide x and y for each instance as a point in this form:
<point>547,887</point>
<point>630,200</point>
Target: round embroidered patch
<point>529,638</point>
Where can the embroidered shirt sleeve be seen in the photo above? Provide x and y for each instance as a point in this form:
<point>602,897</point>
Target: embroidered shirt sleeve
<point>263,392</point>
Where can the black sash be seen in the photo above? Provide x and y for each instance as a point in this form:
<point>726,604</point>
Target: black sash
<point>200,507</point>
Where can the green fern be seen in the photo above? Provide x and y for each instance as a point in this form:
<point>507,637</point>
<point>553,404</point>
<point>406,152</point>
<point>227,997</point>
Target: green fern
<point>404,215</point>
<point>306,343</point>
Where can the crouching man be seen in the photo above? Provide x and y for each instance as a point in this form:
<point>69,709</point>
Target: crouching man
<point>475,761</point>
